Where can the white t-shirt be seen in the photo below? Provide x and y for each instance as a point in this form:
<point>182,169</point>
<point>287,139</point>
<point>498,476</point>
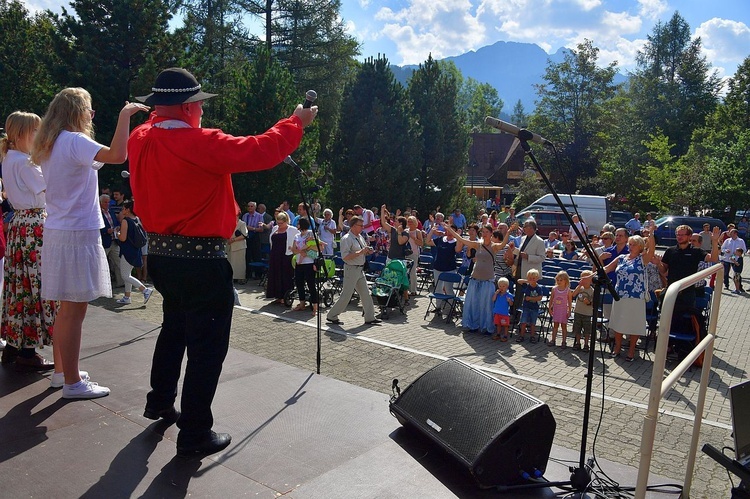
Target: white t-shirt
<point>73,183</point>
<point>24,183</point>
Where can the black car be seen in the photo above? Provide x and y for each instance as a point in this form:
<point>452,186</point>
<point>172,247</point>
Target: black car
<point>665,227</point>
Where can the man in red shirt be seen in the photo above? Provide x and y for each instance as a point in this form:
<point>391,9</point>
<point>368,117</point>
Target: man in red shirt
<point>173,159</point>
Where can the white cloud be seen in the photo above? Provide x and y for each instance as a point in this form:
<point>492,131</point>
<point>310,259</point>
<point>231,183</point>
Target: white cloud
<point>438,27</point>
<point>621,23</point>
<point>588,4</point>
<point>41,5</point>
<point>652,9</point>
<point>724,40</point>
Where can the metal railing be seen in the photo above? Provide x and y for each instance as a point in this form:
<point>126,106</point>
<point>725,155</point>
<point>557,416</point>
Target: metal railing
<point>660,385</point>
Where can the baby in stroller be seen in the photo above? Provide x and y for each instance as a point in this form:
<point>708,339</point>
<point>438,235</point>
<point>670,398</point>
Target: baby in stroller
<point>391,288</point>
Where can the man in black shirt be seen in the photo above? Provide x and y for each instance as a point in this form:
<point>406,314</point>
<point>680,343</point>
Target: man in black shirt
<point>682,260</point>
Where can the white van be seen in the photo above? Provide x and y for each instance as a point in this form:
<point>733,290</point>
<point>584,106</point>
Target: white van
<point>594,210</point>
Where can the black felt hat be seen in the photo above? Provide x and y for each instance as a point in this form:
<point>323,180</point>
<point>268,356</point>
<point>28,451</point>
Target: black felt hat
<point>174,86</point>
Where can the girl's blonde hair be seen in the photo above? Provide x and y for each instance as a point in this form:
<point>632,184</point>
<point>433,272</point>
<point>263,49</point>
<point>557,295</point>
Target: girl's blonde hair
<point>563,275</point>
<point>70,110</point>
<point>17,125</point>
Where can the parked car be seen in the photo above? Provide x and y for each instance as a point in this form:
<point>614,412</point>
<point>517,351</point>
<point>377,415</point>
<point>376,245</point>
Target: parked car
<point>665,227</point>
<point>620,218</point>
<point>546,221</point>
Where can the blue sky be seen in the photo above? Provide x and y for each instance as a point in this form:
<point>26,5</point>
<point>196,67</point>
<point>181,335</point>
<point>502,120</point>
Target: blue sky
<point>406,31</point>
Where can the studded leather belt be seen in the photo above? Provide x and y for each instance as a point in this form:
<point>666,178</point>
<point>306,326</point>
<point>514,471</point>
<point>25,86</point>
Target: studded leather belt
<point>177,246</point>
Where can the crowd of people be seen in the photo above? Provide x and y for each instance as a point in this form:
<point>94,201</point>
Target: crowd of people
<point>95,241</point>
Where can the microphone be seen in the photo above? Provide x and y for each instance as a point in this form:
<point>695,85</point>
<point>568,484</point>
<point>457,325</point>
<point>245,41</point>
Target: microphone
<point>520,133</point>
<point>289,161</point>
<point>125,174</point>
<point>310,97</point>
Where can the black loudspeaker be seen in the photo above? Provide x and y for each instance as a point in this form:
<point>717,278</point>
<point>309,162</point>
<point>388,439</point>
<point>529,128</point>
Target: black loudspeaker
<point>495,430</point>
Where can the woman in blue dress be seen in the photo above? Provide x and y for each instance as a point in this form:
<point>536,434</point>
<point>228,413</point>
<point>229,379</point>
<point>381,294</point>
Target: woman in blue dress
<point>477,314</point>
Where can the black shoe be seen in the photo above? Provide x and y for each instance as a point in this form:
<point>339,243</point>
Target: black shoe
<point>211,444</point>
<point>10,354</point>
<point>374,321</point>
<point>168,415</point>
<point>334,321</point>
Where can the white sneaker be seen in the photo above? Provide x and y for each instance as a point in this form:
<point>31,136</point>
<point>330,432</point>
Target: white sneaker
<point>58,379</point>
<point>2,344</point>
<point>84,390</point>
<point>125,300</point>
<point>147,294</point>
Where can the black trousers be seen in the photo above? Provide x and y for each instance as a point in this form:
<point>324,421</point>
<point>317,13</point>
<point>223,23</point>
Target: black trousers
<point>198,304</point>
<point>304,274</point>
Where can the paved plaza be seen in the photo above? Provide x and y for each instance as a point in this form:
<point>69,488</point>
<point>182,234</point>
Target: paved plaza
<point>405,346</point>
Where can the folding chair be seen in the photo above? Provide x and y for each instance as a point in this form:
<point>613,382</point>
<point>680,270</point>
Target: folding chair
<point>450,279</point>
<point>652,319</point>
<point>424,272</point>
<point>457,306</point>
<point>261,267</point>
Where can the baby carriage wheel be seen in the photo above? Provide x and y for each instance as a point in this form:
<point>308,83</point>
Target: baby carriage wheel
<point>289,297</point>
<point>328,298</point>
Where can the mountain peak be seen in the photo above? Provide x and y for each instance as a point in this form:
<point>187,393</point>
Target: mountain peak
<point>513,68</point>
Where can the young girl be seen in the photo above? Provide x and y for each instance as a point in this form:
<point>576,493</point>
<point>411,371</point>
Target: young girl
<point>305,248</point>
<point>130,255</point>
<point>76,269</point>
<point>27,319</point>
<point>501,310</point>
<point>560,306</point>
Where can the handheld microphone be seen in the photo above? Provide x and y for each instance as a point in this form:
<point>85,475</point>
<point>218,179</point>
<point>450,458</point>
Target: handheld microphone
<point>310,97</point>
<point>520,133</point>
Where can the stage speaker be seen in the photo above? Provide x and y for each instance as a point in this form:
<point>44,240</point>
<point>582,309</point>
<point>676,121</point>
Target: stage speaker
<point>495,430</point>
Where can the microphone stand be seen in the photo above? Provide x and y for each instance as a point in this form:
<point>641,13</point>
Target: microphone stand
<point>581,475</point>
<point>319,262</point>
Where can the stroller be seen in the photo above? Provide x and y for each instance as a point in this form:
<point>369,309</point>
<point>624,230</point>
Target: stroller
<point>389,288</point>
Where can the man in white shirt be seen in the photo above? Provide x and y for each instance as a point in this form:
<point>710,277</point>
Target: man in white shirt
<point>367,216</point>
<point>354,251</point>
<point>728,250</point>
<point>582,228</point>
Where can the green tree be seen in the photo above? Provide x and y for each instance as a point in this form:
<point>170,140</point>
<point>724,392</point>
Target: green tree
<point>106,47</point>
<point>674,87</point>
<point>310,39</point>
<point>519,117</point>
<point>213,42</point>
<point>530,188</point>
<point>433,89</point>
<point>570,105</point>
<point>477,101</point>
<point>623,157</point>
<point>375,154</point>
<point>266,93</point>
<point>25,59</point>
<point>718,159</point>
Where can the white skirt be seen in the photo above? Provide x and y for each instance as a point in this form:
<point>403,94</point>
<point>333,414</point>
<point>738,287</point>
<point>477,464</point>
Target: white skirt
<point>75,266</point>
<point>629,316</point>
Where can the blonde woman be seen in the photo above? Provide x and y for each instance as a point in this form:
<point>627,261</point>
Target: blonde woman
<point>76,271</point>
<point>629,313</point>
<point>280,270</point>
<point>27,320</point>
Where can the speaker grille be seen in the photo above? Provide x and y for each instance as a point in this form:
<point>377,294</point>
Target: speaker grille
<point>463,407</point>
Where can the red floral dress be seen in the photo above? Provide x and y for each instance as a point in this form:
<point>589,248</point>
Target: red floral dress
<point>27,319</point>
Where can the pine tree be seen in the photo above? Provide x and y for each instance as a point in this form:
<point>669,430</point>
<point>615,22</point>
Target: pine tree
<point>444,140</point>
<point>375,152</point>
